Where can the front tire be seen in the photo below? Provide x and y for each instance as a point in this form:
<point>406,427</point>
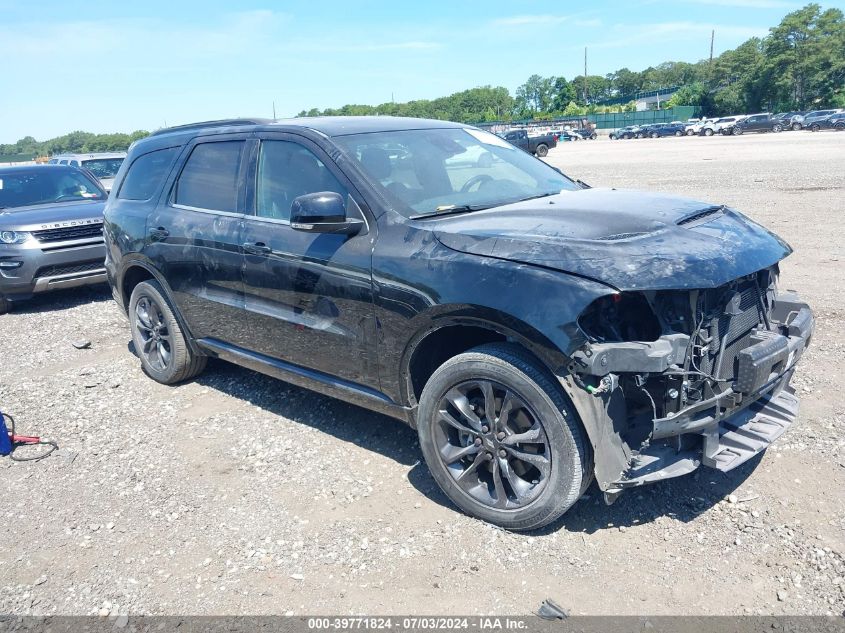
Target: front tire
<point>542,150</point>
<point>777,128</point>
<point>815,127</point>
<point>165,354</point>
<point>708,132</point>
<point>796,127</point>
<point>501,439</point>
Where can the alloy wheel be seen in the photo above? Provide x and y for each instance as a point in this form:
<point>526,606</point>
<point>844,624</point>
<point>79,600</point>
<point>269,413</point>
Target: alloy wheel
<point>157,347</point>
<point>492,444</point>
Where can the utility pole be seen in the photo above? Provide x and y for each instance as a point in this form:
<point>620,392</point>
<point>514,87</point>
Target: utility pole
<point>585,75</point>
<point>712,37</point>
<point>274,110</point>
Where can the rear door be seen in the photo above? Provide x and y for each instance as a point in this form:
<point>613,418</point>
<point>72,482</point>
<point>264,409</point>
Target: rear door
<point>194,236</point>
<point>308,296</point>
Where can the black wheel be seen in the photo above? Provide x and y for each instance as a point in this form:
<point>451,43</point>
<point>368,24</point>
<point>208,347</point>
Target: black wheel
<point>839,127</point>
<point>737,131</point>
<point>776,128</point>
<point>159,342</point>
<point>542,150</point>
<point>5,305</point>
<point>501,438</point>
<point>654,135</point>
<point>796,126</point>
<point>593,136</point>
<point>815,127</point>
<point>707,132</point>
<point>690,132</point>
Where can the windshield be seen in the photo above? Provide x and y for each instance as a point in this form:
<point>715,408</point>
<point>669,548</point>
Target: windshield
<point>103,167</point>
<point>430,171</point>
<point>43,185</point>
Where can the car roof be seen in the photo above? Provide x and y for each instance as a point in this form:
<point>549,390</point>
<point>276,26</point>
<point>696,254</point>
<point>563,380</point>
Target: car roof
<point>92,155</point>
<point>20,169</point>
<point>327,126</point>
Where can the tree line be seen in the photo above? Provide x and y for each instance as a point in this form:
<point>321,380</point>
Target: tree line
<point>73,143</point>
<point>799,65</point>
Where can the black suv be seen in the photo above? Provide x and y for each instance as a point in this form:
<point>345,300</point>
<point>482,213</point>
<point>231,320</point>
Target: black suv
<point>763,122</point>
<point>536,332</point>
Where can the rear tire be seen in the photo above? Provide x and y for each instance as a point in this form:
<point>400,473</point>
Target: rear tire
<point>738,131</point>
<point>679,133</point>
<point>796,126</point>
<point>815,127</point>
<point>542,150</point>
<point>165,354</point>
<point>690,132</point>
<point>777,128</point>
<point>654,135</point>
<point>707,132</point>
<point>5,305</point>
<point>521,469</point>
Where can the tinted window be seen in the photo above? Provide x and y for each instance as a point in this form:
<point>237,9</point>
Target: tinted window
<point>41,185</point>
<point>146,173</point>
<point>103,167</point>
<point>286,171</point>
<point>209,179</point>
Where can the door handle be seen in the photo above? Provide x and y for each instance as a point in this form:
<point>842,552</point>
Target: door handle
<point>159,233</point>
<point>257,248</point>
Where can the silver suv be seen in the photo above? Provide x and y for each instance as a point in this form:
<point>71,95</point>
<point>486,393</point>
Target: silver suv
<point>51,230</point>
<point>103,165</point>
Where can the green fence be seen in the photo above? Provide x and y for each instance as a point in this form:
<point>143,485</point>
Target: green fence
<point>621,119</point>
<point>16,158</point>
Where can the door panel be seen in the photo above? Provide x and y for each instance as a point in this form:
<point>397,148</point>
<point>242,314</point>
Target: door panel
<point>198,249</point>
<point>308,296</point>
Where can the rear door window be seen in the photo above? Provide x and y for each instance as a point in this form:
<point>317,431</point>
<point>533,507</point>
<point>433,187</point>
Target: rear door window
<point>209,179</point>
<point>146,173</point>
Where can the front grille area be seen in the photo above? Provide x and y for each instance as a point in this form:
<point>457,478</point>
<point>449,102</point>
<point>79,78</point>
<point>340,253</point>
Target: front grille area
<point>67,233</point>
<point>81,267</point>
<point>735,329</point>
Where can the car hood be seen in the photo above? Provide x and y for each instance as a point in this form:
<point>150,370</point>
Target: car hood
<point>626,239</point>
<point>53,215</point>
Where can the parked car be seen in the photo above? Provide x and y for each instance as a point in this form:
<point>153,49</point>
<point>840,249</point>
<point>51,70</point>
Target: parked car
<point>762,122</point>
<point>585,133</point>
<point>563,136</point>
<point>709,129</point>
<point>693,126</point>
<point>644,131</point>
<point>666,129</point>
<point>537,145</point>
<point>51,231</point>
<point>625,132</point>
<point>103,165</point>
<point>789,120</point>
<point>834,121</point>
<point>536,332</point>
<point>808,119</point>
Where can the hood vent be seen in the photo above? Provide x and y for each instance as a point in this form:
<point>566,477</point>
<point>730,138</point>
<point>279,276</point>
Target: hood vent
<point>709,212</point>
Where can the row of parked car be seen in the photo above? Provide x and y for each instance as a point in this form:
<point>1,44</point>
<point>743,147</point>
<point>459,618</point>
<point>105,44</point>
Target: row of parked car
<point>816,120</point>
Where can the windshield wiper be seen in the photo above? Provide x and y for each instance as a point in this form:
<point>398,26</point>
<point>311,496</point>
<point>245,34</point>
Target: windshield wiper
<point>539,195</point>
<point>450,209</point>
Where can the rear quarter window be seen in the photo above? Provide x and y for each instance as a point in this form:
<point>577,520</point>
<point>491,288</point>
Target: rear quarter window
<point>146,174</point>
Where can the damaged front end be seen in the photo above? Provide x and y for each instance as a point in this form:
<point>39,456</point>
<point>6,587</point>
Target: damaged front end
<point>673,379</point>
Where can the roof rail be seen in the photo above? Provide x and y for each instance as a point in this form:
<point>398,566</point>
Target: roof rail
<point>205,124</point>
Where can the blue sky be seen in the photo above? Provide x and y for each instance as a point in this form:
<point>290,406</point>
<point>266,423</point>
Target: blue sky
<point>106,66</point>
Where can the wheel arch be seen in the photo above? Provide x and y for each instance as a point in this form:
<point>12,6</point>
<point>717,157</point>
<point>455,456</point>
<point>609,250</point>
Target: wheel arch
<point>448,335</point>
<point>137,270</point>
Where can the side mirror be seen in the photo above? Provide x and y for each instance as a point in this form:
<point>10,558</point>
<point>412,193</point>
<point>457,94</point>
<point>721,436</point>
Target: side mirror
<point>322,212</point>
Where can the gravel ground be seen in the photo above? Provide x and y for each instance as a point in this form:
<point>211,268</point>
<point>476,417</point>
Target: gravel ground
<point>239,494</point>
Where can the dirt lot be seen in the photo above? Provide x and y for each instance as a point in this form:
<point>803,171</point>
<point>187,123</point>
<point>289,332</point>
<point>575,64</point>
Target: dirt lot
<point>236,493</point>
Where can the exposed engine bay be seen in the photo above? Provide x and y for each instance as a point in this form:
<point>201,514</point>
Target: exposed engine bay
<point>681,365</point>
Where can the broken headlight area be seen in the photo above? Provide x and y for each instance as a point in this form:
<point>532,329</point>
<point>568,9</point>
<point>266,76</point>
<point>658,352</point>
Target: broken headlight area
<point>681,365</point>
